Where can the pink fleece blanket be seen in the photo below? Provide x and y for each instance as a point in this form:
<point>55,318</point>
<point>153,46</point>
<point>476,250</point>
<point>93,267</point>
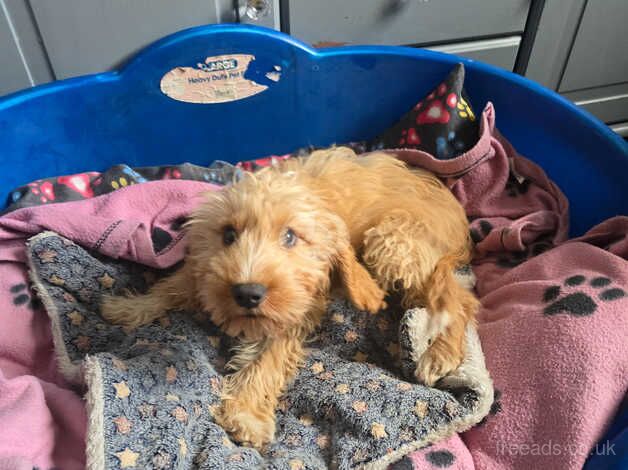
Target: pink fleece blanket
<point>43,419</point>
<point>553,323</point>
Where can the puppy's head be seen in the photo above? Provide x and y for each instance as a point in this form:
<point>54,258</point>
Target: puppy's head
<point>261,253</point>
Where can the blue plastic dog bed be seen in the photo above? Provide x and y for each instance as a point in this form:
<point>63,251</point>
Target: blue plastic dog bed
<point>305,97</point>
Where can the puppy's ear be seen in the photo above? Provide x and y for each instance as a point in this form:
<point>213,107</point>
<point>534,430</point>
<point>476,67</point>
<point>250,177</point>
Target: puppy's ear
<point>361,288</point>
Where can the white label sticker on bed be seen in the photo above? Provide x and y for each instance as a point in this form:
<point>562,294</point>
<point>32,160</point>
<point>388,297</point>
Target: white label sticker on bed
<point>219,79</point>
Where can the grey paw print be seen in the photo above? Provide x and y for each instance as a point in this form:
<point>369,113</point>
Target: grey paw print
<point>575,301</point>
<point>21,295</point>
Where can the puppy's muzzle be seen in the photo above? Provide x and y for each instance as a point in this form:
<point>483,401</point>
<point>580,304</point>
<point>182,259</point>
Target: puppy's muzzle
<point>248,295</point>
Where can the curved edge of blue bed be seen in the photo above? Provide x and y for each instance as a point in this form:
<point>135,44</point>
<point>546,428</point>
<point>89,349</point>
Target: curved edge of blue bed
<point>323,96</point>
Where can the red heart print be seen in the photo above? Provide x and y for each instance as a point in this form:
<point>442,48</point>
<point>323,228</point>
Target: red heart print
<point>413,138</point>
<point>78,183</point>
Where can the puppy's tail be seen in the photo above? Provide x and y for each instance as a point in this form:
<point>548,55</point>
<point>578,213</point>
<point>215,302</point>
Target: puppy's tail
<point>444,293</point>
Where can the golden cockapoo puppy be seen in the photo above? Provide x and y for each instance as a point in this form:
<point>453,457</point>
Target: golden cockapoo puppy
<point>261,255</point>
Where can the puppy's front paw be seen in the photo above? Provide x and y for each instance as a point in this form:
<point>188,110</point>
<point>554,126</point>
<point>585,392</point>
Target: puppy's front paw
<point>369,299</point>
<point>364,292</point>
<point>442,357</point>
<point>246,424</point>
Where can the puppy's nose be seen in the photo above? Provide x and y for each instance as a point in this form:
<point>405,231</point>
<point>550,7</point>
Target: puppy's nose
<point>248,295</point>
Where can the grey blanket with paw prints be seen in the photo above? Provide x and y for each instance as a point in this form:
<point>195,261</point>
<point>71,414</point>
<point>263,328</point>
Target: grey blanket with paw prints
<point>152,392</point>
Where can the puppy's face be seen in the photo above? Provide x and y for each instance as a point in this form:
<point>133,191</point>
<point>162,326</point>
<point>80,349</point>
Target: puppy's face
<point>261,252</point>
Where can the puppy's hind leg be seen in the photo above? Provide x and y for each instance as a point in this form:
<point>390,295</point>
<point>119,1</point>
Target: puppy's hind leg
<point>403,256</point>
<point>457,307</point>
<point>171,293</point>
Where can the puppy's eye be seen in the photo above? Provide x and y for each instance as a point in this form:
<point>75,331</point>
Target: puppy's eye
<point>229,235</point>
<point>289,238</point>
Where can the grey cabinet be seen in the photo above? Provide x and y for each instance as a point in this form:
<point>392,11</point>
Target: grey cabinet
<point>599,56</point>
<point>13,72</point>
<point>404,21</point>
<point>596,72</point>
<point>43,40</point>
<point>609,103</point>
<point>89,36</point>
<point>581,50</point>
<point>578,47</point>
<point>23,62</point>
<point>453,26</point>
<point>500,52</point>
<point>552,43</point>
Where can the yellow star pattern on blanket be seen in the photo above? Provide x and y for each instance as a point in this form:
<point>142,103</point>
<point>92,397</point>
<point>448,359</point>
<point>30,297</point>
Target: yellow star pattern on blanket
<point>338,318</point>
<point>171,397</point>
<point>180,414</point>
<point>56,280</point>
<point>378,430</point>
<point>128,458</point>
<point>76,318</point>
<point>122,389</point>
<point>351,336</point>
<point>123,425</point>
<point>359,406</point>
<point>296,464</point>
<point>47,256</point>
<point>171,374</point>
<point>420,408</point>
<point>306,420</point>
<point>106,281</point>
